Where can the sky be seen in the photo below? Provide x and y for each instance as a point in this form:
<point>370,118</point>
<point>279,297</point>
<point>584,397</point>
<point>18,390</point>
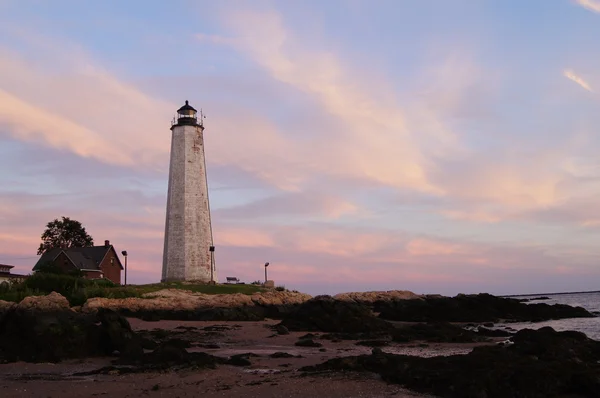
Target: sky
<point>426,145</point>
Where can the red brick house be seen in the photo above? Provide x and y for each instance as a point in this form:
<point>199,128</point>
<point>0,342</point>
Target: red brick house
<point>95,262</point>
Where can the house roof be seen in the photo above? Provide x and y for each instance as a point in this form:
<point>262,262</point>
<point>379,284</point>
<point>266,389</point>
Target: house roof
<point>84,258</point>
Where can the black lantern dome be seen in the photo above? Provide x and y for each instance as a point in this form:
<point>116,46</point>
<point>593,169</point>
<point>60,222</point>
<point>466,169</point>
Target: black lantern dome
<point>186,115</point>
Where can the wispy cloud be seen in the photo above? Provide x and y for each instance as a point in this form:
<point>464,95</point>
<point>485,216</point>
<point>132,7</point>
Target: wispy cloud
<point>592,5</point>
<point>85,109</point>
<point>569,74</point>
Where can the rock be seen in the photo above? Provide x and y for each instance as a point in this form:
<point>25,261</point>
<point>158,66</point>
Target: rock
<point>280,329</point>
<point>33,335</point>
<point>377,299</point>
<point>540,363</point>
<point>170,355</point>
<point>373,343</point>
<point>209,346</point>
<point>168,351</point>
<point>44,336</point>
<point>148,344</point>
<point>280,354</point>
<point>177,304</point>
<point>482,331</point>
<point>5,306</point>
<point>51,302</point>
<point>116,334</point>
<point>323,313</point>
<point>476,308</point>
<point>239,360</point>
<point>438,332</point>
<point>308,343</point>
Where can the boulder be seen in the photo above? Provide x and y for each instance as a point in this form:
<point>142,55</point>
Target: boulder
<point>324,313</point>
<point>51,302</point>
<point>28,333</point>
<point>116,334</point>
<point>6,305</point>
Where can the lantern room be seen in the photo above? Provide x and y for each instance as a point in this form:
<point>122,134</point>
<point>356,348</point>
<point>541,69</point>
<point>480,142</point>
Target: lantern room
<point>186,115</point>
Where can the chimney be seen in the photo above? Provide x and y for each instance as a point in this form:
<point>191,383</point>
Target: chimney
<point>106,243</point>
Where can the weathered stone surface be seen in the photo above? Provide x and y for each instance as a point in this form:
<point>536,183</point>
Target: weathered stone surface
<point>324,313</point>
<point>187,305</point>
<point>51,302</point>
<point>372,297</point>
<point>188,235</point>
<point>542,363</point>
<point>475,308</point>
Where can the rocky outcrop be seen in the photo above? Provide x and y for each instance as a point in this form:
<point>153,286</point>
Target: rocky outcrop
<point>376,297</point>
<point>5,306</point>
<point>51,302</point>
<point>326,314</point>
<point>475,308</point>
<point>43,329</point>
<point>187,305</point>
<point>539,363</point>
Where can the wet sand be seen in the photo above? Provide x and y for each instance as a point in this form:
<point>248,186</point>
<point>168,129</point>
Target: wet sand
<point>266,377</point>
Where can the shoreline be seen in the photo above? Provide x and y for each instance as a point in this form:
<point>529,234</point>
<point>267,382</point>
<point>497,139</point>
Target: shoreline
<point>370,344</point>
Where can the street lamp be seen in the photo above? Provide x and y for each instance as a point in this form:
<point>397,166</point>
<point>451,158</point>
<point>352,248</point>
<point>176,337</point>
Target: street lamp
<point>124,253</point>
<point>266,265</point>
<point>212,264</point>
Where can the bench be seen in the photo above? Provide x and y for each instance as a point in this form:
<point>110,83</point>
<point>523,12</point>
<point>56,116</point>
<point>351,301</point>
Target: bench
<point>233,279</point>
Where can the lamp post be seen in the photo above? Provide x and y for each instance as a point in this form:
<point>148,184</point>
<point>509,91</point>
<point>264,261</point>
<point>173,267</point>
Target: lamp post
<point>212,264</point>
<point>124,253</point>
<point>266,279</point>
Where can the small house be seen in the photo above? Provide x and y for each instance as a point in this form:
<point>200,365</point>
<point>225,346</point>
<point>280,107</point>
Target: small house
<point>6,276</point>
<point>95,262</point>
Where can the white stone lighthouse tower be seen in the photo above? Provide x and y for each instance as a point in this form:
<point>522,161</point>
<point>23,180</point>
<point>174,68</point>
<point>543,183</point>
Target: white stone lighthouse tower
<point>188,252</point>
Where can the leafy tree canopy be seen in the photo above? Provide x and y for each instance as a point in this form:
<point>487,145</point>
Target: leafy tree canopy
<point>64,233</point>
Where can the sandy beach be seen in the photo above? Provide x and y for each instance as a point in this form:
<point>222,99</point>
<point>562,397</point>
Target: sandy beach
<point>265,377</point>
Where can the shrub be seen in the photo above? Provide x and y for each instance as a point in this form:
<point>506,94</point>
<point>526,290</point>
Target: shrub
<point>77,290</point>
<point>280,288</point>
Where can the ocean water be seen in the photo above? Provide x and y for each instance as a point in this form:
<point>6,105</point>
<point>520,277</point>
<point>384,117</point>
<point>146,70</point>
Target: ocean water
<point>590,301</point>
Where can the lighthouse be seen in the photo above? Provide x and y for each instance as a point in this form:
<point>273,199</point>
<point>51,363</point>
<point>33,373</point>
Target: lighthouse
<point>188,249</point>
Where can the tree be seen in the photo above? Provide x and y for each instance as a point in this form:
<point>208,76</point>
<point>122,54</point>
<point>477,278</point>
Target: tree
<point>64,233</point>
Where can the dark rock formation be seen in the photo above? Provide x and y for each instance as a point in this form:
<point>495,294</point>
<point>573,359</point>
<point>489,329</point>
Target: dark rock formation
<point>50,336</point>
<point>280,329</point>
<point>542,363</point>
<point>483,331</point>
<point>308,343</point>
<point>476,308</point>
<point>241,313</point>
<point>373,343</point>
<point>437,332</point>
<point>323,313</point>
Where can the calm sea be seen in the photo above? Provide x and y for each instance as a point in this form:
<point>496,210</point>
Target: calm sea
<point>589,301</point>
